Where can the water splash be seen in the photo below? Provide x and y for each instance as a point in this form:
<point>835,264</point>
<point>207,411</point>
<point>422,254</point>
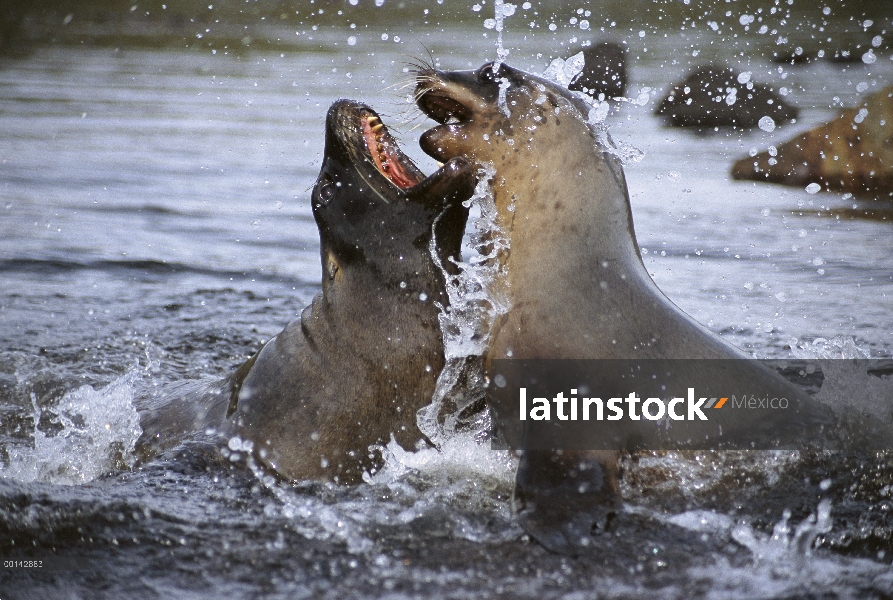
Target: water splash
<point>467,323</point>
<point>562,72</point>
<point>786,545</point>
<point>460,489</point>
<point>837,347</point>
<point>784,563</point>
<point>99,429</point>
<point>501,10</point>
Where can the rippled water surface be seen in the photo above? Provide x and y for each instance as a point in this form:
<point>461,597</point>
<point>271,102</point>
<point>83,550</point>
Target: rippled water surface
<point>155,228</point>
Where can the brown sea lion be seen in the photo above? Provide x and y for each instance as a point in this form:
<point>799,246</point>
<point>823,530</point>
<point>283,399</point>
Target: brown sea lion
<point>576,283</point>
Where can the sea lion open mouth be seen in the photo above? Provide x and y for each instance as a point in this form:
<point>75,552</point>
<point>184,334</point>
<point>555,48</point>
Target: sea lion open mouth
<point>443,109</point>
<point>386,155</point>
<point>357,136</point>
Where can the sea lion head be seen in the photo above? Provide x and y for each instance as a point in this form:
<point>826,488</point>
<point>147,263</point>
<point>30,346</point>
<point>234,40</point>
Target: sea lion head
<point>501,115</point>
<point>371,203</point>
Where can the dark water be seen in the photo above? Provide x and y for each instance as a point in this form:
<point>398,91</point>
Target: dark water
<point>156,229</point>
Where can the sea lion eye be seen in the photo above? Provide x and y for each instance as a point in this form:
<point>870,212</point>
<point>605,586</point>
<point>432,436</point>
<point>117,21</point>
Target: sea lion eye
<point>326,192</point>
<point>489,73</point>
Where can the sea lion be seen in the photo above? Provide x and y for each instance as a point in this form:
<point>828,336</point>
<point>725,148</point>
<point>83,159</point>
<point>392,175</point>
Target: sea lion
<point>573,274</point>
<point>365,355</point>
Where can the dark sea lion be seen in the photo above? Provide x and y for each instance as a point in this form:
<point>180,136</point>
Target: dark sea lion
<point>718,96</point>
<point>576,283</point>
<point>365,355</point>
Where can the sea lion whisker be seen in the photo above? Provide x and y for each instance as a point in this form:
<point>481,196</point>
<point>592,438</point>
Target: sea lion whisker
<point>401,83</point>
<point>421,63</point>
<point>416,126</point>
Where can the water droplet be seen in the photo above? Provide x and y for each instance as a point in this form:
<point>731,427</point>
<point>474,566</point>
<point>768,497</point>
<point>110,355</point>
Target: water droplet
<point>813,188</point>
<point>766,123</point>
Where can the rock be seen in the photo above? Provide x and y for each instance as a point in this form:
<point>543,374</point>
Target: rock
<point>794,56</point>
<point>717,96</point>
<point>851,153</point>
<point>604,71</point>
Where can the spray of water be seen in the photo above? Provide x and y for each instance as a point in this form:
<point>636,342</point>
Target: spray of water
<point>562,72</point>
<point>467,323</point>
<point>501,11</point>
<point>96,433</point>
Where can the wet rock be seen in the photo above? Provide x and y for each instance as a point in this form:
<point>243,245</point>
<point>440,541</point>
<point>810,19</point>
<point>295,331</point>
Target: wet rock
<point>717,96</point>
<point>851,153</point>
<point>865,47</point>
<point>604,71</point>
<point>794,56</point>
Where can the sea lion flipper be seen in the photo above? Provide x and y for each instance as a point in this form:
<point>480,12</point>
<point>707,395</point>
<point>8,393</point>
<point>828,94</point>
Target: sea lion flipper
<point>236,381</point>
<point>561,499</point>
